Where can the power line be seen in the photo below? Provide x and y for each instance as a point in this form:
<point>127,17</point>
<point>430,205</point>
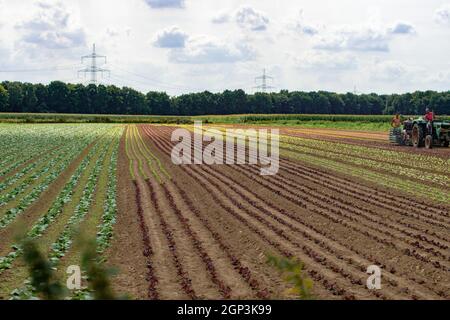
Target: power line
<point>155,82</point>
<point>263,86</point>
<point>61,68</point>
<point>93,69</point>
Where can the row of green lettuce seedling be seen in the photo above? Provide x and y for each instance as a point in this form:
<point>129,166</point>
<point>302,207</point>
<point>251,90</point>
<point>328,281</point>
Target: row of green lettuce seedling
<point>67,153</point>
<point>64,197</point>
<point>61,246</point>
<point>30,147</point>
<point>35,193</point>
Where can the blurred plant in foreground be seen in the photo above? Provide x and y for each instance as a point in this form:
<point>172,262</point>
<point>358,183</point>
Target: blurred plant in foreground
<point>44,284</point>
<point>292,271</point>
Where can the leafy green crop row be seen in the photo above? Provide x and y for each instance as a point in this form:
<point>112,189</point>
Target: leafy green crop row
<point>51,169</point>
<point>356,157</point>
<point>60,247</point>
<point>386,180</point>
<point>105,229</point>
<point>56,208</point>
<point>21,143</point>
<point>35,193</point>
<point>62,244</point>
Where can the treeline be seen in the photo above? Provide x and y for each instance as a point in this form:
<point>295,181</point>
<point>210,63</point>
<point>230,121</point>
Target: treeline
<point>59,97</point>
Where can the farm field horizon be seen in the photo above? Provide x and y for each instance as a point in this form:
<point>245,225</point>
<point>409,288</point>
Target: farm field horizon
<point>341,201</point>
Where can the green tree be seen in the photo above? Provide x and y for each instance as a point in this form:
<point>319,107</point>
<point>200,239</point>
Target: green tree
<point>41,92</point>
<point>15,93</point>
<point>158,103</point>
<point>261,103</point>
<point>58,97</point>
<point>4,98</point>
<point>29,98</point>
<point>115,101</point>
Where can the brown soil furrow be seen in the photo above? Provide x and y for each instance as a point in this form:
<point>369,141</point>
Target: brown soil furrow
<point>411,204</point>
<point>224,289</point>
<point>239,191</point>
<point>148,251</point>
<point>128,244</point>
<point>186,282</point>
<point>170,286</point>
<point>414,204</point>
<point>250,218</point>
<point>237,265</point>
<point>376,209</point>
<point>325,280</point>
<point>367,215</point>
<point>431,211</point>
<point>306,232</point>
<point>359,156</point>
<point>336,213</point>
<point>326,237</point>
<point>383,145</point>
<point>197,262</point>
<point>404,217</point>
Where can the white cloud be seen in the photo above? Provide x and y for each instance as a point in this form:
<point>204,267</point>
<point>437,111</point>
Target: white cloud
<point>251,19</point>
<point>402,28</point>
<point>442,15</point>
<point>165,3</point>
<point>319,60</point>
<point>442,77</point>
<point>112,32</point>
<point>206,50</point>
<point>337,44</point>
<point>245,17</point>
<point>52,28</point>
<point>300,26</point>
<point>221,17</point>
<point>172,37</point>
<point>365,39</point>
<point>388,70</point>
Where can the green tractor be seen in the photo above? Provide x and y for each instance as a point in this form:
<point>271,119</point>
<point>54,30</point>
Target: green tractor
<point>420,133</point>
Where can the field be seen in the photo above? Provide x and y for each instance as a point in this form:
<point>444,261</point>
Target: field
<point>342,200</point>
<point>352,122</point>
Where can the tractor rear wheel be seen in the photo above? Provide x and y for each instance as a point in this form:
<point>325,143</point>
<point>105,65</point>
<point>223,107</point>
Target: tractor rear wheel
<point>428,142</point>
<point>417,136</point>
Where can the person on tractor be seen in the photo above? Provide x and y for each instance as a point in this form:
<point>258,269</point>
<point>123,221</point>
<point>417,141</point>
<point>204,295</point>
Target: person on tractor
<point>407,127</point>
<point>396,121</point>
<point>429,115</point>
<point>429,118</point>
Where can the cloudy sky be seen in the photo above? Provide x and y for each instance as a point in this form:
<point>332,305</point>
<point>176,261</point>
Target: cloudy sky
<point>193,45</point>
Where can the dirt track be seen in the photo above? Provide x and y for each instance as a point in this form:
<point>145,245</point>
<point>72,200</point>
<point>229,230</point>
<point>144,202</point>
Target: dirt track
<point>203,232</point>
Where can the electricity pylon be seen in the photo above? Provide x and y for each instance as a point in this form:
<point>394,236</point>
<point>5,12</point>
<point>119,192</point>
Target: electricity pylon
<point>263,86</point>
<point>93,69</point>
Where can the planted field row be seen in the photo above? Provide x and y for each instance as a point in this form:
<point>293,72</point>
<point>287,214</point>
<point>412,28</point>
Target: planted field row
<point>406,179</point>
<point>205,231</point>
<point>262,227</point>
<point>353,225</point>
<point>57,228</point>
<point>430,169</point>
<point>172,227</point>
